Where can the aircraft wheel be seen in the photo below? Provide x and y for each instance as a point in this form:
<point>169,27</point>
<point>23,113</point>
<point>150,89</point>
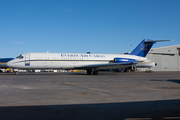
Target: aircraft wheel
<point>95,72</point>
<point>89,72</point>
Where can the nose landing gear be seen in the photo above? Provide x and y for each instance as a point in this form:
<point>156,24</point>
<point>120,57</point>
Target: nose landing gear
<point>16,73</point>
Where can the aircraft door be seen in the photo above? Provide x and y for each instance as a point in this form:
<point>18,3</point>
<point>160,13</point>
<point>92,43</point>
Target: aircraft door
<point>27,60</point>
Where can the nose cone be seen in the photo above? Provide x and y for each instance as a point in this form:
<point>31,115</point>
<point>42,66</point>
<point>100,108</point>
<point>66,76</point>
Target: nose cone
<point>10,64</point>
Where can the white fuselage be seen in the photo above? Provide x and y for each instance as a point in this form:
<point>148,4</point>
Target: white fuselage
<point>64,60</point>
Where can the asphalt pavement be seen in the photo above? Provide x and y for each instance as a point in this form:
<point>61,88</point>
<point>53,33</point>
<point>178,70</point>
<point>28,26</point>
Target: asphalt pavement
<point>106,96</point>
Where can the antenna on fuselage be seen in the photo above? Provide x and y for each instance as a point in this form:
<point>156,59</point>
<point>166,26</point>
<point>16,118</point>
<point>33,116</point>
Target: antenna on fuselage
<point>48,51</point>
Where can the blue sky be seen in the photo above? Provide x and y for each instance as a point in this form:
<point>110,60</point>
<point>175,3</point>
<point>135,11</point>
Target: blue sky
<point>78,26</point>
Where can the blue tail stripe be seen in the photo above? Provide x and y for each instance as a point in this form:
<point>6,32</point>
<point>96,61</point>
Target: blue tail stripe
<point>143,48</point>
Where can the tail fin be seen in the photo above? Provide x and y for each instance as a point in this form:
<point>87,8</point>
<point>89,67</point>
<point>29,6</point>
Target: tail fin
<point>143,48</point>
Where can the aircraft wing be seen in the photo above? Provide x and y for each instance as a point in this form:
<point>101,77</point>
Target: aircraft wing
<point>106,66</point>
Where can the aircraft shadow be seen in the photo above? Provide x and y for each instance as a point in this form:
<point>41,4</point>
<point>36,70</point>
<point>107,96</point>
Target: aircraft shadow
<point>174,80</point>
<point>170,80</point>
<point>146,110</point>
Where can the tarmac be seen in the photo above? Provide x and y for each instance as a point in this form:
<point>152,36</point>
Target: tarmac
<point>77,96</point>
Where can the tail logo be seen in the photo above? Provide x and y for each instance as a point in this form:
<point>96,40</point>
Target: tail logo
<point>143,48</point>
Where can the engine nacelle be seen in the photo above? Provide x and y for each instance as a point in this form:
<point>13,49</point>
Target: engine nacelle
<point>125,60</point>
<point>146,65</point>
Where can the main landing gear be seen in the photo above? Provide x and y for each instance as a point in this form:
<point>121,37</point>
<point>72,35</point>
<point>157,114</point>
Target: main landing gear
<point>89,72</point>
<point>95,72</point>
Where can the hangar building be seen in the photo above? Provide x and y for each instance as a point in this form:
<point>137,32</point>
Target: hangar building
<point>167,58</point>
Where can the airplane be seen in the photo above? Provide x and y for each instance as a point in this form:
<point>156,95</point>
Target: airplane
<point>89,62</point>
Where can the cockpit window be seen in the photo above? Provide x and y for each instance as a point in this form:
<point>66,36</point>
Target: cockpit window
<point>20,57</point>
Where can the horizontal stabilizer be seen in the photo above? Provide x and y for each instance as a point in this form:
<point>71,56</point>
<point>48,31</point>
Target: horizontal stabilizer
<point>157,41</point>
